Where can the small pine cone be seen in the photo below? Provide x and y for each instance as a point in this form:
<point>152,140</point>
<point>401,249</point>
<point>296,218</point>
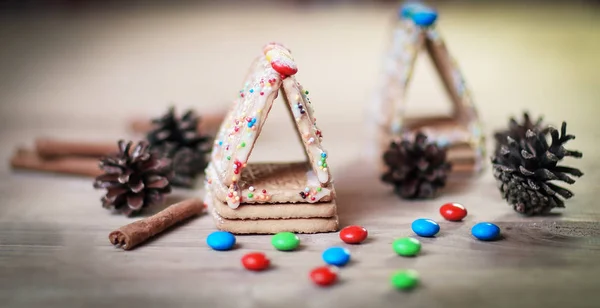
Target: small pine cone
<point>524,168</point>
<point>416,169</point>
<point>517,130</point>
<point>133,179</point>
<point>178,139</point>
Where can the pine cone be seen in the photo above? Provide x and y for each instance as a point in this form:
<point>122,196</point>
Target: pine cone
<point>517,130</point>
<point>133,179</point>
<point>416,169</point>
<point>179,140</point>
<point>524,168</point>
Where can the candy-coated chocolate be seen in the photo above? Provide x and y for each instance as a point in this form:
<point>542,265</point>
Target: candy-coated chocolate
<point>323,276</point>
<point>453,211</point>
<point>404,279</point>
<point>255,261</point>
<point>420,14</point>
<point>353,234</point>
<point>284,67</point>
<point>409,8</point>
<point>407,246</point>
<point>485,231</point>
<point>220,240</point>
<point>425,227</point>
<point>285,241</point>
<point>337,256</point>
<point>424,17</point>
<point>281,61</point>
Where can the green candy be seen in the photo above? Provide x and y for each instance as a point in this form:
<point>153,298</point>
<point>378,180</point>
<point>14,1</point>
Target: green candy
<point>285,241</point>
<point>404,279</point>
<point>407,246</point>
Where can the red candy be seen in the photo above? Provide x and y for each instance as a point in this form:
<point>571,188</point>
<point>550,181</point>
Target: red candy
<point>285,68</point>
<point>255,261</point>
<point>353,234</point>
<point>453,211</point>
<point>323,276</point>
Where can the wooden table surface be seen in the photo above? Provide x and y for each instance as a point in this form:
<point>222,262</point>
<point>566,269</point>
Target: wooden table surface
<point>80,75</point>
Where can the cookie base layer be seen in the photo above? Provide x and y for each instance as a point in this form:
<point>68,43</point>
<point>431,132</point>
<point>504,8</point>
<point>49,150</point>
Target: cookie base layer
<point>275,211</point>
<point>272,226</point>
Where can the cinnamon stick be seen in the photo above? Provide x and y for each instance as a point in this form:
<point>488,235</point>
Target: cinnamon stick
<point>133,234</point>
<point>49,147</point>
<point>29,160</point>
<point>209,123</point>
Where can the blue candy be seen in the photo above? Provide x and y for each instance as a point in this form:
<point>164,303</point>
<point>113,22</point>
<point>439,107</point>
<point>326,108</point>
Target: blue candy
<point>424,18</point>
<point>425,227</point>
<point>220,240</point>
<point>407,9</point>
<point>337,256</point>
<point>420,14</point>
<point>485,231</point>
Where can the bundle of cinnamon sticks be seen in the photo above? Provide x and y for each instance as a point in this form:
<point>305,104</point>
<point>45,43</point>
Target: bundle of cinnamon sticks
<point>78,157</point>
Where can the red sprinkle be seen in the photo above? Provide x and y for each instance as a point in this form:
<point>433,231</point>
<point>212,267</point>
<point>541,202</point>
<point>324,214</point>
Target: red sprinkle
<point>264,191</point>
<point>353,234</point>
<point>323,276</point>
<point>453,211</point>
<point>255,261</point>
<point>236,171</point>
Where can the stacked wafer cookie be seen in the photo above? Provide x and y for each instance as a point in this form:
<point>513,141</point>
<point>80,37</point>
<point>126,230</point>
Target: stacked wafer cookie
<point>276,204</point>
<point>268,198</point>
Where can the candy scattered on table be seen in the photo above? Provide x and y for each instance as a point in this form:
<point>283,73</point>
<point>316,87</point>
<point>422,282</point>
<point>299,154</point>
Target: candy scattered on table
<point>255,261</point>
<point>220,240</point>
<point>404,279</point>
<point>425,227</point>
<point>453,211</point>
<point>485,231</point>
<point>323,275</point>
<point>337,256</point>
<point>285,241</point>
<point>353,234</point>
<point>407,246</point>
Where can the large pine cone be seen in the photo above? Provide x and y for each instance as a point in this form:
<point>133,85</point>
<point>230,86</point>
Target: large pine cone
<point>416,169</point>
<point>524,169</point>
<point>517,130</point>
<point>179,140</point>
<point>133,179</point>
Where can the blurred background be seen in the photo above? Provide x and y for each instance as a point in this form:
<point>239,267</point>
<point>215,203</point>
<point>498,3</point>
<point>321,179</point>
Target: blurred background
<point>81,68</point>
